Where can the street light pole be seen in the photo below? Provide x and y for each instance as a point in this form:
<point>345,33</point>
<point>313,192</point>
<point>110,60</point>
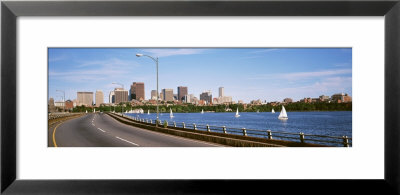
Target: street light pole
<point>64,98</point>
<point>119,84</point>
<point>157,89</point>
<point>156,61</point>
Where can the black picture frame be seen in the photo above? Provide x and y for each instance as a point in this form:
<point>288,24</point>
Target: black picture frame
<point>11,10</point>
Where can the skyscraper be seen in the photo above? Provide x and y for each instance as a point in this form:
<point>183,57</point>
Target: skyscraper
<point>153,94</point>
<point>121,95</point>
<point>182,92</point>
<point>221,92</point>
<point>111,97</point>
<point>161,97</point>
<point>137,91</point>
<point>99,98</point>
<point>168,94</point>
<point>206,96</point>
<point>85,98</point>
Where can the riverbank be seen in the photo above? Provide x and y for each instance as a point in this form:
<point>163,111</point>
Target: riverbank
<point>191,108</point>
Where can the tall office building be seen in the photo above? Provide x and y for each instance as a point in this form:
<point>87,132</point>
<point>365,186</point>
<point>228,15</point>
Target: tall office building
<point>137,91</point>
<point>161,97</point>
<point>153,94</point>
<point>99,98</point>
<point>111,97</point>
<point>182,92</point>
<point>85,98</point>
<point>168,94</point>
<point>206,96</point>
<point>221,92</point>
<point>121,95</point>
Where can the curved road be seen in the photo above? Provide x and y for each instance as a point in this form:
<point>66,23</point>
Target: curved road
<point>100,130</point>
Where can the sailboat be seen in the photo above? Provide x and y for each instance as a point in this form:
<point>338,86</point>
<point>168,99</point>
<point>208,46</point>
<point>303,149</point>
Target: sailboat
<point>148,112</point>
<point>283,115</point>
<point>202,111</point>
<point>273,111</point>
<point>237,113</point>
<point>258,111</point>
<point>170,113</point>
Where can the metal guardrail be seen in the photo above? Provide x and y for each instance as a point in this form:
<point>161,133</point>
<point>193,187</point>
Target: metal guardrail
<point>344,141</point>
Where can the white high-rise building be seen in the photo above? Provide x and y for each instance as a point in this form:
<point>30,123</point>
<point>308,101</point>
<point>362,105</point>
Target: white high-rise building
<point>111,97</point>
<point>99,98</point>
<point>85,98</point>
<point>221,91</point>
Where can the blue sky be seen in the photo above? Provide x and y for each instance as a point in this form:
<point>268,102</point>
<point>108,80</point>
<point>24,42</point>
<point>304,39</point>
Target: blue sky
<point>247,74</point>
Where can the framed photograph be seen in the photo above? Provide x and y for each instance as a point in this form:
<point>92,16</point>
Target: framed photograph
<point>126,104</point>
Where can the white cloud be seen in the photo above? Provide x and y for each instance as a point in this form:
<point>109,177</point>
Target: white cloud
<point>327,86</point>
<point>264,51</point>
<point>302,75</point>
<point>306,75</point>
<point>172,52</point>
<point>113,62</point>
<point>57,58</point>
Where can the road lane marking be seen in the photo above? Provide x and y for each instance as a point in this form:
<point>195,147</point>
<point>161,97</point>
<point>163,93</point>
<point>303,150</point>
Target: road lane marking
<point>126,141</point>
<point>101,129</point>
<point>172,136</point>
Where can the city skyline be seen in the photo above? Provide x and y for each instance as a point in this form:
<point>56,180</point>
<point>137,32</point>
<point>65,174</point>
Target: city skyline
<point>270,74</point>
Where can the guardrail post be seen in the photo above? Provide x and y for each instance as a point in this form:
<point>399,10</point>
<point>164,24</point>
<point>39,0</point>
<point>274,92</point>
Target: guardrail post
<point>194,126</point>
<point>224,129</point>
<point>301,137</point>
<point>174,124</point>
<point>269,134</point>
<point>147,120</point>
<point>183,124</point>
<point>346,141</point>
<point>208,128</point>
<point>244,132</point>
<point>151,121</point>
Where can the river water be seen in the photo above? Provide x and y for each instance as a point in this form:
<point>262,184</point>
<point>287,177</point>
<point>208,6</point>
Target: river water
<point>338,123</point>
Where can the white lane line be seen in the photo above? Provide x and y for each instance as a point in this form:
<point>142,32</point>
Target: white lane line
<point>101,129</point>
<point>173,136</point>
<point>126,141</point>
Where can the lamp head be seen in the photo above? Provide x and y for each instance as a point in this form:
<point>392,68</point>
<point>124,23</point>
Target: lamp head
<point>139,55</point>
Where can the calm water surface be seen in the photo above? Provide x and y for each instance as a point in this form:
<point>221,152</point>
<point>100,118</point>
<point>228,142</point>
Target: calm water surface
<point>317,123</point>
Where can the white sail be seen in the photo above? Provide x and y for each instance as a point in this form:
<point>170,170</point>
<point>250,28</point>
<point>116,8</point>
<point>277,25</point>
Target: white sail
<point>148,112</point>
<point>258,111</point>
<point>283,114</point>
<point>237,112</point>
<point>202,111</point>
<point>170,113</point>
<point>273,111</point>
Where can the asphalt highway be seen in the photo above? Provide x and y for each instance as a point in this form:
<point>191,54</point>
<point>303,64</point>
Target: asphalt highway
<point>100,130</point>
